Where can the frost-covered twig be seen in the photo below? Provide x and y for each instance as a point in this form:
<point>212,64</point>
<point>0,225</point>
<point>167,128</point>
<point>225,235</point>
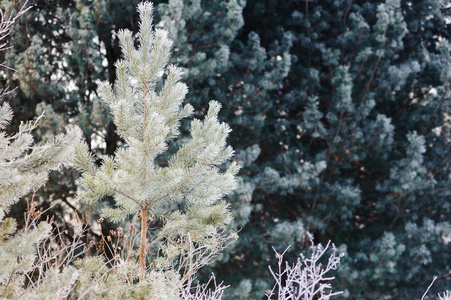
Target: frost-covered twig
<point>6,22</point>
<point>429,287</point>
<point>306,279</point>
<point>446,294</point>
<point>202,291</point>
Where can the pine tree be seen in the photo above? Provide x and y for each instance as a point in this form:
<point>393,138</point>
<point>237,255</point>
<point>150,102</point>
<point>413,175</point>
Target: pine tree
<point>178,196</point>
<point>24,167</point>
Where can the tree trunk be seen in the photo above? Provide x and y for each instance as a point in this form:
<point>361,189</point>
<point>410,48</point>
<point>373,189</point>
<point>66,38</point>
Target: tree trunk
<point>142,247</point>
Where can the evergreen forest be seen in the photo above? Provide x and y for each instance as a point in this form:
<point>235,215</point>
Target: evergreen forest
<point>225,149</point>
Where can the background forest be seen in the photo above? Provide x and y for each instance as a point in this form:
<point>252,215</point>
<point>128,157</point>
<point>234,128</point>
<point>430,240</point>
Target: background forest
<point>339,113</point>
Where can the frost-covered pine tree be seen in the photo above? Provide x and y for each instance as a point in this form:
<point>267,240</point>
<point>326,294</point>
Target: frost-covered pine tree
<point>24,167</point>
<point>176,197</point>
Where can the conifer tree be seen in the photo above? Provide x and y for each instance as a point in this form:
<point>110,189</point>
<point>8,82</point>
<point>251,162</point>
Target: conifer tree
<point>357,149</point>
<point>178,195</point>
<point>24,167</point>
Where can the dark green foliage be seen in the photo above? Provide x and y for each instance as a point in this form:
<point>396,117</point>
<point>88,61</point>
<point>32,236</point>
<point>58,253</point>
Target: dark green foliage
<point>367,105</point>
<point>340,118</point>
